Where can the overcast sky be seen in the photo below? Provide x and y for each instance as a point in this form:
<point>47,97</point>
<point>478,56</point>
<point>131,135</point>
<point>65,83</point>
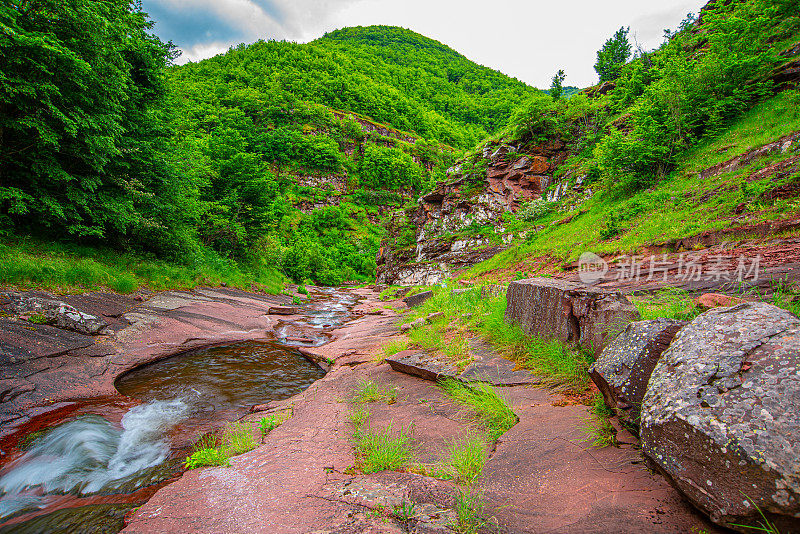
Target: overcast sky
<point>529,40</point>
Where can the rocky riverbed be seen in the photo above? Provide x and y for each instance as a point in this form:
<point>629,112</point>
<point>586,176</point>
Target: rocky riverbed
<point>541,476</point>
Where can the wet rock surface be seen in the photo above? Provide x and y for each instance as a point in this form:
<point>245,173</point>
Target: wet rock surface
<point>720,414</point>
<point>624,368</point>
<point>557,309</point>
<point>45,365</point>
<point>539,478</point>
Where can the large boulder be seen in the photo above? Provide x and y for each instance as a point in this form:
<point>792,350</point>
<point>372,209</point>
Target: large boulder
<point>721,415</point>
<point>57,313</point>
<point>624,368</point>
<point>557,309</point>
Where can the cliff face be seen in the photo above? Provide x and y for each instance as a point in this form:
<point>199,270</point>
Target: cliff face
<point>460,222</point>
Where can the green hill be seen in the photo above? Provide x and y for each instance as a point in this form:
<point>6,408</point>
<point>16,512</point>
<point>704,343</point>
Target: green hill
<point>393,75</point>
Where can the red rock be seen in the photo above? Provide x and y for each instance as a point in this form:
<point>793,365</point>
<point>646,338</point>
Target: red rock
<point>707,301</point>
<point>283,310</point>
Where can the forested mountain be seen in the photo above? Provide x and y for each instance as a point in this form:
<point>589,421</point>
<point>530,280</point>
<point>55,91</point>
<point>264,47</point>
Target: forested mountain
<point>275,155</point>
<point>390,74</point>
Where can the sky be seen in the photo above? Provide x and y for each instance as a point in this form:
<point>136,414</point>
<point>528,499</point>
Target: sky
<point>529,40</point>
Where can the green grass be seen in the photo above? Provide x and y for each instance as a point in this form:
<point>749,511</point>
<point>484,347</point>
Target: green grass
<point>217,449</point>
<point>554,363</point>
<point>369,391</point>
<point>675,206</point>
<point>237,438</point>
<point>493,412</point>
<point>599,430</point>
<point>26,263</point>
<point>381,450</point>
<point>467,457</point>
<point>271,422</point>
<point>207,451</point>
<point>469,509</point>
<point>206,457</point>
<point>395,346</point>
<point>670,303</point>
<point>787,297</point>
<point>358,415</point>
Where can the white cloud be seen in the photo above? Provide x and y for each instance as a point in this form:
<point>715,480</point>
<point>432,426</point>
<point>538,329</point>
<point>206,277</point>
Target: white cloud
<point>202,51</point>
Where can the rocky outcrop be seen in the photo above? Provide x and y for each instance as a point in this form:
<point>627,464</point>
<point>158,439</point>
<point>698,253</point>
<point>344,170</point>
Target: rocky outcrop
<point>720,416</point>
<point>624,368</point>
<point>782,145</point>
<point>556,309</point>
<point>55,312</point>
<point>418,299</point>
<point>459,223</point>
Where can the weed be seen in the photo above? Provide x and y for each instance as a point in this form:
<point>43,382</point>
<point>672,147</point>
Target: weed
<point>296,301</point>
<point>37,318</point>
<point>382,450</point>
<point>358,415</point>
<point>395,346</point>
<point>597,426</point>
<point>266,425</point>
<point>405,511</point>
<point>492,410</point>
<point>369,391</point>
<point>763,526</point>
<point>786,297</point>
<point>469,509</point>
<point>671,303</point>
<point>467,456</point>
<point>206,457</point>
<point>555,364</point>
<point>237,438</point>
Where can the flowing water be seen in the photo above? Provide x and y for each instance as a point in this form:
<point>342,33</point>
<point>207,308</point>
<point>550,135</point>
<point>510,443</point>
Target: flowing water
<point>83,474</point>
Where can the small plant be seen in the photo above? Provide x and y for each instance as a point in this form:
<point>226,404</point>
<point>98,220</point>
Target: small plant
<point>266,425</point>
<point>493,411</point>
<point>611,227</point>
<point>382,450</point>
<point>763,526</point>
<point>206,457</point>
<point>405,511</point>
<point>237,439</point>
<point>393,347</point>
<point>302,289</point>
<point>358,416</point>
<point>469,509</point>
<point>467,456</point>
<point>671,303</point>
<point>598,427</point>
<point>37,318</point>
<point>533,210</point>
<point>296,300</point>
<point>369,391</point>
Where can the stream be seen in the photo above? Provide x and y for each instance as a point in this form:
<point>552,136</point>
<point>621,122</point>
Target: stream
<point>85,473</point>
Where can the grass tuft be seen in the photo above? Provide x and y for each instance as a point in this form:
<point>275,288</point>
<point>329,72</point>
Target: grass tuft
<point>492,410</point>
<point>671,303</point>
<point>369,391</point>
<point>597,426</point>
<point>469,512</point>
<point>467,456</point>
<point>379,450</point>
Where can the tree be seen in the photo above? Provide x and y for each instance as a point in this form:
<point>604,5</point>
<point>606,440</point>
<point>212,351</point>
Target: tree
<point>82,122</point>
<point>556,87</point>
<point>613,55</point>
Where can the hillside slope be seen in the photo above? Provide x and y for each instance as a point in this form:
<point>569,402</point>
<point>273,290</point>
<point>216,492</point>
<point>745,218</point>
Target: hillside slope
<point>698,136</point>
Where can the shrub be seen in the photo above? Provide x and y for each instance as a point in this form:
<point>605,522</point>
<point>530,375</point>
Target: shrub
<point>533,210</point>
